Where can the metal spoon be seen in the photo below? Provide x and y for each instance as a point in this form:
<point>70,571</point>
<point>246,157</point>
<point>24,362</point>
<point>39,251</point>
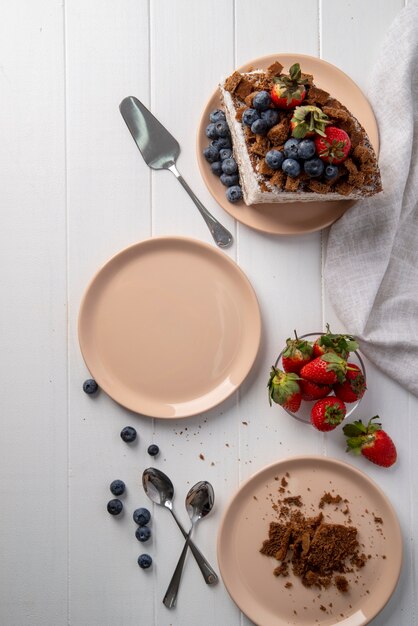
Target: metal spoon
<point>199,503</point>
<point>160,490</point>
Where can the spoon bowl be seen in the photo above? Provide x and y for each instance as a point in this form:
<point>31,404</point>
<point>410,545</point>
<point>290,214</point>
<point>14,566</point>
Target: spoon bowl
<point>158,487</point>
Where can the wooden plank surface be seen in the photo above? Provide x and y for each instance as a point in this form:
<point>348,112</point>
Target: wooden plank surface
<point>76,191</point>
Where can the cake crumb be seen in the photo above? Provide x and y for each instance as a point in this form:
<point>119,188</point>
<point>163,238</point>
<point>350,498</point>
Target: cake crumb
<point>341,583</point>
<point>202,456</point>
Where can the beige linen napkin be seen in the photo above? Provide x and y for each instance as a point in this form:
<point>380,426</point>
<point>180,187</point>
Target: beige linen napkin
<point>371,255</point>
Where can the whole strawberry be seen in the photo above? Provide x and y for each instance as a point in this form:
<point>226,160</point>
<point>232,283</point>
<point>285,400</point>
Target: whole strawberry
<point>284,389</point>
<point>334,147</point>
<point>289,91</point>
<point>327,369</point>
<point>313,391</point>
<point>328,413</point>
<point>331,342</point>
<point>297,353</point>
<point>307,121</point>
<point>371,441</point>
<point>354,386</point>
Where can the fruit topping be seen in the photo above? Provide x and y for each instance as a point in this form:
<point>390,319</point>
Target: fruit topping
<point>314,167</point>
<point>274,159</point>
<point>262,101</point>
<point>291,167</point>
<point>289,91</point>
<point>308,121</point>
<point>334,147</point>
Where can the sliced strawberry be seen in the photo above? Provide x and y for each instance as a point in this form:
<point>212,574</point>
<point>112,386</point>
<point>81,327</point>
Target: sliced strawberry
<point>354,386</point>
<point>325,370</point>
<point>284,389</point>
<point>371,441</point>
<point>334,147</point>
<point>328,413</point>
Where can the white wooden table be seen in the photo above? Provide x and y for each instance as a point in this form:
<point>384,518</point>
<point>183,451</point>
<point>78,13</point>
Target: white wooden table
<point>74,191</point>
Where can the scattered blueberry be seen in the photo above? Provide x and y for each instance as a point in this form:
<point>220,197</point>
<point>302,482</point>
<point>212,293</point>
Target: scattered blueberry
<point>225,153</point>
<point>117,487</point>
<point>262,101</point>
<point>216,116</point>
<point>222,129</point>
<point>114,507</point>
<point>306,149</point>
<point>331,171</point>
<point>90,386</point>
<point>153,449</point>
<point>211,153</point>
<point>211,131</point>
<point>249,116</point>
<point>234,193</point>
<point>141,516</point>
<point>128,434</point>
<point>143,533</point>
<point>229,166</point>
<point>222,142</point>
<point>291,148</point>
<point>291,167</point>
<point>271,116</point>
<point>259,127</point>
<point>144,561</point>
<point>274,159</point>
<point>229,179</point>
<point>216,168</point>
<point>314,167</point>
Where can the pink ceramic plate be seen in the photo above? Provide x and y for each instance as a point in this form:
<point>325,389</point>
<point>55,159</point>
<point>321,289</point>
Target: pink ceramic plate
<point>296,217</point>
<point>248,575</point>
<point>169,327</point>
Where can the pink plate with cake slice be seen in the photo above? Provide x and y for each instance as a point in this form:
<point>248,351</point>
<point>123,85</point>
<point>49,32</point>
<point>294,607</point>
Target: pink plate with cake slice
<point>270,600</point>
<point>296,217</point>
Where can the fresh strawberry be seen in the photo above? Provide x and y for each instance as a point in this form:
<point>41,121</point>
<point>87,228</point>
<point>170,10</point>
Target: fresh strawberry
<point>297,353</point>
<point>334,147</point>
<point>330,342</point>
<point>371,441</point>
<point>284,389</point>
<point>325,370</point>
<point>289,91</point>
<point>354,386</point>
<point>313,391</point>
<point>308,121</point>
<point>328,413</point>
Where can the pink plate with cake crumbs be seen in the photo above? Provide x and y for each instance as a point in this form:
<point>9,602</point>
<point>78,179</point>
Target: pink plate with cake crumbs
<point>296,217</point>
<point>270,600</point>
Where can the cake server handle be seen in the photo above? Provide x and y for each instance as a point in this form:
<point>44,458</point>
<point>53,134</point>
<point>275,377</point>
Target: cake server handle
<point>220,234</point>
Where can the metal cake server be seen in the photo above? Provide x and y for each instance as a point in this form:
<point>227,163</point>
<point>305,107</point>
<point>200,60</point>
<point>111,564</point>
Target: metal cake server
<point>160,151</point>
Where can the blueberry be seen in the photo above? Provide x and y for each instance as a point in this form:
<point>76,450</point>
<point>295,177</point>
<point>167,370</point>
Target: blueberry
<point>271,116</point>
<point>211,131</point>
<point>222,129</point>
<point>114,507</point>
<point>153,449</point>
<point>291,167</point>
<point>234,193</point>
<point>144,561</point>
<point>229,166</point>
<point>229,179</point>
<point>216,168</point>
<point>306,149</point>
<point>262,101</point>
<point>225,153</point>
<point>331,172</point>
<point>143,533</point>
<point>259,127</point>
<point>274,159</point>
<point>216,116</point>
<point>314,167</point>
<point>291,148</point>
<point>211,153</point>
<point>249,116</point>
<point>90,386</point>
<point>117,487</point>
<point>222,142</point>
<point>141,516</point>
<point>128,434</point>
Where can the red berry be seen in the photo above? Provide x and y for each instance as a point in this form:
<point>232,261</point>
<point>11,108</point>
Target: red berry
<point>327,414</point>
<point>313,391</point>
<point>333,148</point>
<point>284,389</point>
<point>371,441</point>
<point>325,370</point>
<point>297,353</point>
<point>354,386</point>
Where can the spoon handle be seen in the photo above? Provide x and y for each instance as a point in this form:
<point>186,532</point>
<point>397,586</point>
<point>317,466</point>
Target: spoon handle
<point>208,572</point>
<point>170,597</point>
<point>220,234</point>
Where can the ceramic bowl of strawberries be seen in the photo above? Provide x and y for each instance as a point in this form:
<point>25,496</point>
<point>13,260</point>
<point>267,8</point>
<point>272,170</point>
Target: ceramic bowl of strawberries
<point>318,378</point>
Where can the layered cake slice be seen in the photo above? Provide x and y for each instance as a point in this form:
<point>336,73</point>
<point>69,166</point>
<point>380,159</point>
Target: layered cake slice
<point>293,141</point>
